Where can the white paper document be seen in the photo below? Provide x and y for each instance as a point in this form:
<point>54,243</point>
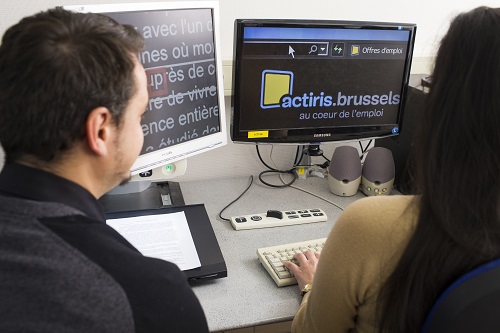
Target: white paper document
<point>162,236</point>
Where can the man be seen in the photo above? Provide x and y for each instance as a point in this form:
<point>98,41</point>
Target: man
<point>72,94</point>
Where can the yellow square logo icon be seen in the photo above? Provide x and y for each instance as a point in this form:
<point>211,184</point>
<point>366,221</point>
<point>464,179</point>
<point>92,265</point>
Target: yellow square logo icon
<point>275,85</point>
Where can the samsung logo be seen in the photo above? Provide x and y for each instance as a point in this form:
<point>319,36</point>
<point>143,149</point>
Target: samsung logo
<point>322,135</point>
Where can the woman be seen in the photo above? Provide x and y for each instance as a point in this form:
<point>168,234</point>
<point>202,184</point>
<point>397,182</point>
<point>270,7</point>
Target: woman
<point>387,259</point>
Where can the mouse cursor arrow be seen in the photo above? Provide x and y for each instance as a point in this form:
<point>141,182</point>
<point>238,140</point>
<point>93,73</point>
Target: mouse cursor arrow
<point>291,51</point>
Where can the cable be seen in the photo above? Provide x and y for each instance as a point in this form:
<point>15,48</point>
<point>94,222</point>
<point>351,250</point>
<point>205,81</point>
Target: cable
<point>291,171</point>
<point>297,160</point>
<point>260,158</point>
<point>223,209</point>
<point>280,173</point>
<point>323,155</point>
<point>315,195</point>
<point>275,170</point>
<point>364,150</point>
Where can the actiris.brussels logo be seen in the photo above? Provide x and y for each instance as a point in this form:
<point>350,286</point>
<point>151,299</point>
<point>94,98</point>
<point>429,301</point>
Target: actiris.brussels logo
<point>277,91</point>
<point>275,84</point>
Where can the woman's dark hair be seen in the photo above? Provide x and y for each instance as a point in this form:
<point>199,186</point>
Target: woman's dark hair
<point>458,173</point>
<point>55,67</point>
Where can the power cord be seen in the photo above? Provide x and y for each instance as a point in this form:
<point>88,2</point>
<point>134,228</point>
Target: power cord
<point>274,170</point>
<point>315,195</point>
<point>245,191</point>
<point>280,173</point>
<point>364,150</point>
<point>303,190</point>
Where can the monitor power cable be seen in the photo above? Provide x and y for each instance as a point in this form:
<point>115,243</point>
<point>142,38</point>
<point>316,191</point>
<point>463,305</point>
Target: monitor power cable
<point>274,170</point>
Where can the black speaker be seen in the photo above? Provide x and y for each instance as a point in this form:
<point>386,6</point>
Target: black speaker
<point>344,172</point>
<point>401,146</point>
<point>378,172</point>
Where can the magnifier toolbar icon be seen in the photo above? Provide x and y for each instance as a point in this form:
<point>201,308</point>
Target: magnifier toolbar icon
<point>314,48</point>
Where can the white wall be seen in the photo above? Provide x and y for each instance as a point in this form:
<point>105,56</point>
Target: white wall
<point>431,16</point>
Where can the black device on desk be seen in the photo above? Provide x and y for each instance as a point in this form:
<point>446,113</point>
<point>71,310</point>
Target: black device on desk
<point>212,262</point>
<point>151,198</point>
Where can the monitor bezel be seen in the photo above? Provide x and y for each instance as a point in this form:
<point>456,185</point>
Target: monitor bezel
<point>315,136</point>
<point>196,146</point>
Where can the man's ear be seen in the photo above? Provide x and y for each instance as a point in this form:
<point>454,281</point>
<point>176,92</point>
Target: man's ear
<point>98,128</point>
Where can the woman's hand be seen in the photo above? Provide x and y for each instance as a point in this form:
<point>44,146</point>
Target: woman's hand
<point>305,270</point>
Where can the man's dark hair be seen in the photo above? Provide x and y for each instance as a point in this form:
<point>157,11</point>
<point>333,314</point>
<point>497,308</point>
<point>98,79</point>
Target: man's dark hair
<point>55,67</point>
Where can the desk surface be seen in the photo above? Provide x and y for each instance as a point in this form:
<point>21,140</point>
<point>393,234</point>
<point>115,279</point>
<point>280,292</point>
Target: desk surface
<point>248,296</point>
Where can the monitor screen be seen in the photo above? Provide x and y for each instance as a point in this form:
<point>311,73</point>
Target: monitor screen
<point>186,114</point>
<point>309,82</point>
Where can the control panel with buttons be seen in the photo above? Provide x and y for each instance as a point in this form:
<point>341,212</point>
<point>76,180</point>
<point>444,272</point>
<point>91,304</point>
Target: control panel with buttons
<point>278,218</point>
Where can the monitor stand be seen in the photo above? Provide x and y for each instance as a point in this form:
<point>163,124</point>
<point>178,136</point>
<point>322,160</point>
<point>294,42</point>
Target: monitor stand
<point>307,169</point>
<point>139,195</point>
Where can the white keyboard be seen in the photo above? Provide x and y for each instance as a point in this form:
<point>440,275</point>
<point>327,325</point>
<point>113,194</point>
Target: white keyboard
<point>278,218</point>
<point>272,258</point>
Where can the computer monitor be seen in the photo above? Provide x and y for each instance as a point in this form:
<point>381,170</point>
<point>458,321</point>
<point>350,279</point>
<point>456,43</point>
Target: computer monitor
<point>186,113</point>
<point>314,81</point>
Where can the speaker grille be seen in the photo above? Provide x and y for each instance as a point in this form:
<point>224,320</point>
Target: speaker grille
<point>345,164</point>
<point>379,165</point>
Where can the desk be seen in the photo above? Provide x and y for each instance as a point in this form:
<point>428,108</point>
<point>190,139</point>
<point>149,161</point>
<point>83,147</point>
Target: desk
<point>248,296</point>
